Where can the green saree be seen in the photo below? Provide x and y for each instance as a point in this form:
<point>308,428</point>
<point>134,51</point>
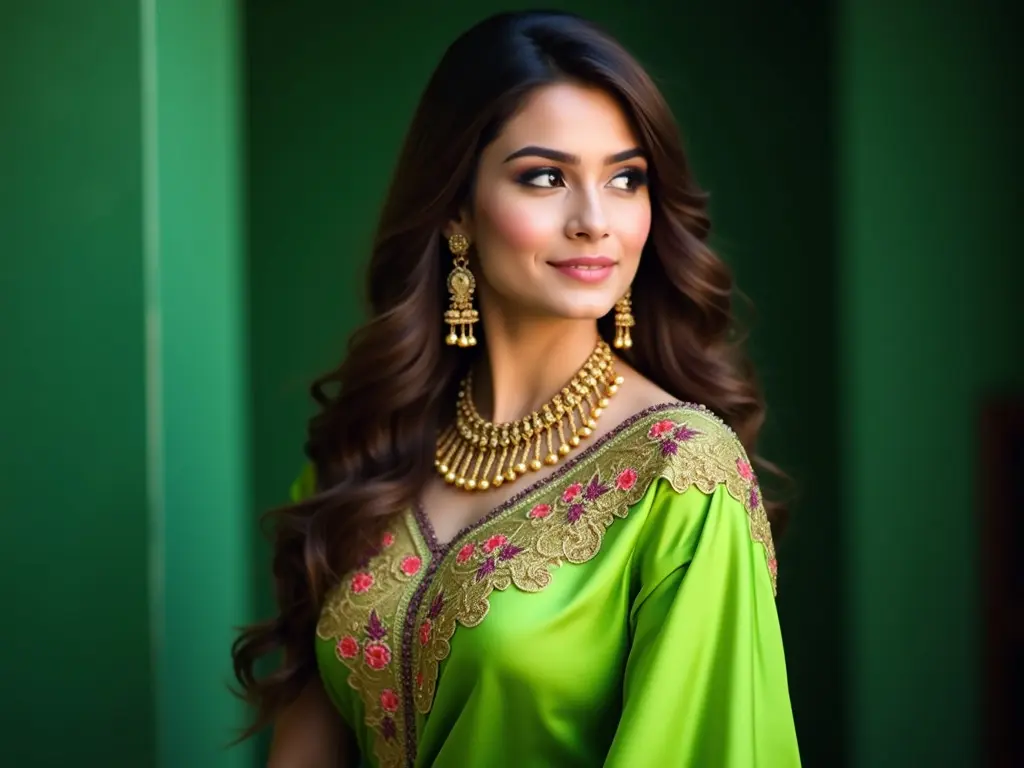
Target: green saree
<point>620,612</point>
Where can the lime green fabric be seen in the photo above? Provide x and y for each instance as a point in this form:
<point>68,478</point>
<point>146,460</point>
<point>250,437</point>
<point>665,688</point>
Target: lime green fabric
<point>618,613</point>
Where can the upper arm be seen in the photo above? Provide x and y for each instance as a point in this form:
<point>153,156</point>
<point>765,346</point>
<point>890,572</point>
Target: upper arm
<point>705,680</point>
<point>310,733</point>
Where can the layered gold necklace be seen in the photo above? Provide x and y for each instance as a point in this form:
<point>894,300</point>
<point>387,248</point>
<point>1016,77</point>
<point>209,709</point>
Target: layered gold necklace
<point>475,454</point>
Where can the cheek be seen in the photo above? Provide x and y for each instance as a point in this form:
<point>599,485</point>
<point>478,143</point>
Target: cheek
<point>513,224</point>
<point>632,229</point>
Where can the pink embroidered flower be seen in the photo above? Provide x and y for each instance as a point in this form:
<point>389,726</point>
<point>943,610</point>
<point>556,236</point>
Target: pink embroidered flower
<point>540,511</point>
<point>425,633</point>
<point>389,700</point>
<point>348,647</point>
<point>493,543</point>
<point>661,428</point>
<point>377,656</point>
<point>745,470</point>
<point>387,539</point>
<point>465,553</point>
<point>773,566</point>
<point>410,565</point>
<point>361,582</point>
<point>419,679</point>
<point>570,493</point>
<point>626,479</point>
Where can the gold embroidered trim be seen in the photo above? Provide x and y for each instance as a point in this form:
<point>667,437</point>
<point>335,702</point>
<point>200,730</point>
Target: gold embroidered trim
<point>363,617</point>
<point>566,522</point>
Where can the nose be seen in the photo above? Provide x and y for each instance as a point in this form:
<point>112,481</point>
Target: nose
<point>587,220</point>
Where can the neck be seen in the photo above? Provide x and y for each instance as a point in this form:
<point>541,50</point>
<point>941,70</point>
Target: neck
<point>527,362</point>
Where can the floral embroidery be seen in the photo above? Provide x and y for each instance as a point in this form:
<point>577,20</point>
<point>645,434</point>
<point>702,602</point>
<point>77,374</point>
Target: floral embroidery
<point>626,479</point>
<point>391,622</point>
<point>348,647</point>
<point>571,492</point>
<point>567,524</point>
<point>410,565</point>
<point>539,511</point>
<point>363,618</point>
<point>389,700</point>
<point>465,553</point>
<point>362,582</point>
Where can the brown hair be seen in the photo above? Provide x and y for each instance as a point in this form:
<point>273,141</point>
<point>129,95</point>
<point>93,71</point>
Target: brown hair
<point>372,443</point>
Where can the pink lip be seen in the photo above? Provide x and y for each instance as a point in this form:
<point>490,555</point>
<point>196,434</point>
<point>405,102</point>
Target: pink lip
<point>586,269</point>
<point>585,261</point>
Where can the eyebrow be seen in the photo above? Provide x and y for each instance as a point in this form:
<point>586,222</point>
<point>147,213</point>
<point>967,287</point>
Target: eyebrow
<point>564,157</point>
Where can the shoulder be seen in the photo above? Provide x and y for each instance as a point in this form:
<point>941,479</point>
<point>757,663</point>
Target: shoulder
<point>689,466</point>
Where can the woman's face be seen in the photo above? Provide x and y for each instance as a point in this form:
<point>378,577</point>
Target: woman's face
<point>561,209</point>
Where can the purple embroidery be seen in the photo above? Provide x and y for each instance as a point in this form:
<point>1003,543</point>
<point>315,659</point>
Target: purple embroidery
<point>596,489</point>
<point>388,729</point>
<point>375,628</point>
<point>755,497</point>
<point>685,433</point>
<point>575,513</point>
<point>669,448</point>
<point>508,552</point>
<point>486,568</point>
<point>436,606</point>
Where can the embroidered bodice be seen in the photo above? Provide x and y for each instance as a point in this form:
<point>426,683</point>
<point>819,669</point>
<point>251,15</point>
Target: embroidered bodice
<point>551,631</point>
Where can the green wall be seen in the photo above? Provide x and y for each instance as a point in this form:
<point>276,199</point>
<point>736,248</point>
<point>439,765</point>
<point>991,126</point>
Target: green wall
<point>76,638</point>
<point>125,484</point>
<point>931,324</point>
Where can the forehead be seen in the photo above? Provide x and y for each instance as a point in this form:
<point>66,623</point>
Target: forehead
<point>574,118</point>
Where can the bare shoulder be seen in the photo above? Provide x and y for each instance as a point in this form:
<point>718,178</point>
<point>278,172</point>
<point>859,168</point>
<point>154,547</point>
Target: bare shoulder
<point>638,392</point>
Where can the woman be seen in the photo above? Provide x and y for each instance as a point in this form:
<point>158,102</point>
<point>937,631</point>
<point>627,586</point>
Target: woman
<point>516,542</point>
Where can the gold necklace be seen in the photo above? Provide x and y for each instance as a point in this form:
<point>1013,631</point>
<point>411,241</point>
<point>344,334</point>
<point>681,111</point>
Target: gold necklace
<point>475,454</point>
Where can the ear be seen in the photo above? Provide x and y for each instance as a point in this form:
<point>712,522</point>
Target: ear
<point>461,224</point>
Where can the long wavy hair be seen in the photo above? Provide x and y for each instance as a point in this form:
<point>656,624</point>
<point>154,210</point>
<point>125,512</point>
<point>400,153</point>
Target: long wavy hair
<point>372,442</point>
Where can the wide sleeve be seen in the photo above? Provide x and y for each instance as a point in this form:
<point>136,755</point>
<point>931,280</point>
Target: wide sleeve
<point>705,681</point>
<point>304,485</point>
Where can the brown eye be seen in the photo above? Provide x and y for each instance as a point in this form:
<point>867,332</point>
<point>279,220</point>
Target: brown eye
<point>629,180</point>
<point>546,178</point>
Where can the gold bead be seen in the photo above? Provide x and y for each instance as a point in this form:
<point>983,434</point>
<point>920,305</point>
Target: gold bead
<point>519,469</point>
<point>603,402</point>
<point>551,459</point>
<point>584,432</point>
<point>463,341</point>
<point>591,423</point>
<point>574,441</point>
<point>596,413</point>
<point>483,485</point>
<point>498,480</point>
<point>451,339</point>
<point>460,482</point>
<point>511,475</point>
<point>564,449</point>
<point>444,469</point>
<point>613,388</point>
<point>535,465</point>
<point>471,485</point>
<point>449,478</point>
<point>472,341</point>
<point>619,380</point>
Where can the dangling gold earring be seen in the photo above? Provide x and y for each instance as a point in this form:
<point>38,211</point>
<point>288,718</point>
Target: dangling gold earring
<point>624,321</point>
<point>461,286</point>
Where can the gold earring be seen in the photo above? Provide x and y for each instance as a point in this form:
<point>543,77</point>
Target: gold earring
<point>624,321</point>
<point>461,286</point>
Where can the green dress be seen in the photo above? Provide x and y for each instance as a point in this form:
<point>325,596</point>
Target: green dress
<point>620,612</point>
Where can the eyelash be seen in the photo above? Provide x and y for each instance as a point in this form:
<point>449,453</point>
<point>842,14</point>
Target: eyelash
<point>637,177</point>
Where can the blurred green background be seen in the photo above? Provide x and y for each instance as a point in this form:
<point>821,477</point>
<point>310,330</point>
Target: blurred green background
<point>187,193</point>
